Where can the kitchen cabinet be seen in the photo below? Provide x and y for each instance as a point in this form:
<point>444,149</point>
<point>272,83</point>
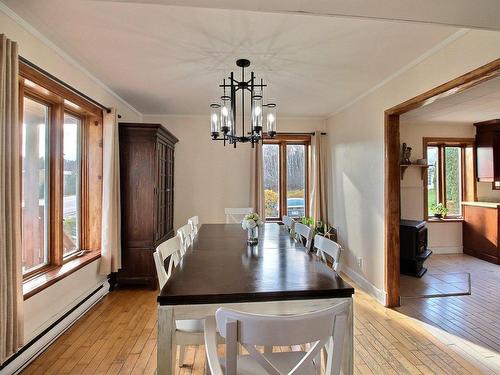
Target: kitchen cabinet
<point>481,230</point>
<point>488,151</point>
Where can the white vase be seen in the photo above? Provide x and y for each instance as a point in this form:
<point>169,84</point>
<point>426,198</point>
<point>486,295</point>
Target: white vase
<point>253,236</point>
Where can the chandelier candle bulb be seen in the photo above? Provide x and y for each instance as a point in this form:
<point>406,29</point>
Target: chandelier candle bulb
<point>257,113</point>
<point>214,120</point>
<point>225,119</point>
<point>271,120</point>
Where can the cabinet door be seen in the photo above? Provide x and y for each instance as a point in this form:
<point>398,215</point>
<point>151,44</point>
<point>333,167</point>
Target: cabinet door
<point>170,190</point>
<point>484,154</point>
<point>161,190</point>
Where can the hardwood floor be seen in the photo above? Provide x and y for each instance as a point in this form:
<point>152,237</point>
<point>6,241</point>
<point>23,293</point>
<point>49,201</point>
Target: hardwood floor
<point>118,336</point>
<point>470,323</point>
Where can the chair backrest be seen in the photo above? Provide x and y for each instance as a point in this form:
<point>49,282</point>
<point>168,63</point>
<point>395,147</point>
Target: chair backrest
<point>184,234</point>
<point>304,234</point>
<point>323,328</point>
<point>289,224</point>
<point>328,247</point>
<point>170,249</point>
<point>236,215</point>
<point>194,222</point>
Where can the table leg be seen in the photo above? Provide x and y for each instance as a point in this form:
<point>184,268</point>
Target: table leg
<point>166,349</point>
<point>348,362</point>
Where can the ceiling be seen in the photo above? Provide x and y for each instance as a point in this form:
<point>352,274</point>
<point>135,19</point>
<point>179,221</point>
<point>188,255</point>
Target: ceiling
<point>479,103</point>
<point>169,59</point>
<point>483,14</point>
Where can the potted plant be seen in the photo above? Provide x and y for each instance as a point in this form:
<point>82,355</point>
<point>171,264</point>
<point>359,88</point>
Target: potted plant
<point>251,223</point>
<point>439,210</point>
<point>319,227</point>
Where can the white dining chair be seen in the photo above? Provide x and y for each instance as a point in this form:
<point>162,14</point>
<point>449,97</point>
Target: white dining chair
<point>236,215</point>
<point>322,329</point>
<point>289,224</point>
<point>304,235</point>
<point>170,249</point>
<point>194,222</point>
<point>185,236</point>
<point>188,332</point>
<point>328,247</point>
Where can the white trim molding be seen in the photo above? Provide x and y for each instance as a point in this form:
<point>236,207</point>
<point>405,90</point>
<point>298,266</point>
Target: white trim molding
<point>456,35</point>
<point>446,249</point>
<point>60,324</point>
<point>368,287</point>
<point>37,34</point>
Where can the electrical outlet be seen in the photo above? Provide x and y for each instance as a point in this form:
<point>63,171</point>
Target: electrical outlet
<point>360,262</point>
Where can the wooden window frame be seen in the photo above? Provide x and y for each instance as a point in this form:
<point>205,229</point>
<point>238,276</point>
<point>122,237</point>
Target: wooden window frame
<point>466,175</point>
<point>60,100</point>
<point>284,140</point>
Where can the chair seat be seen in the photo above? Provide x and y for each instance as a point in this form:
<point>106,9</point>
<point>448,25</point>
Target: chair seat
<point>284,362</point>
<point>189,325</point>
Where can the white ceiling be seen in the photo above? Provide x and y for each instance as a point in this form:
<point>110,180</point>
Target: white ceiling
<point>169,60</point>
<point>479,103</point>
<point>483,14</point>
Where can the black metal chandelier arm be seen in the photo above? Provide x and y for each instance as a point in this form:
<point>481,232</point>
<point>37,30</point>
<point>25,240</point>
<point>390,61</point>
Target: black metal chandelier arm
<point>224,115</point>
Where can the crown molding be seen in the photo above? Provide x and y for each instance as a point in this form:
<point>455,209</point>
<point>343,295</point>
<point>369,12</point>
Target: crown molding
<point>444,43</point>
<point>38,35</point>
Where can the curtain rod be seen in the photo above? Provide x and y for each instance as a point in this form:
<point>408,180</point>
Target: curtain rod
<point>62,83</point>
<point>299,133</point>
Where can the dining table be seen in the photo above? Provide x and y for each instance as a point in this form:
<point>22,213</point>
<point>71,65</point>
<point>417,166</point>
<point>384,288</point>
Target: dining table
<point>275,276</point>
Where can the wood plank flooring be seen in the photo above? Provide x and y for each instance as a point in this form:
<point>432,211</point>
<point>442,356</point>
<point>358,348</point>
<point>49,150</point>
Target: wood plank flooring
<point>118,336</point>
<point>470,323</point>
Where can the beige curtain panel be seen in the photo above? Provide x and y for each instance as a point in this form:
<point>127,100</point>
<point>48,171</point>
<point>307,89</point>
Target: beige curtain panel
<point>110,236</point>
<point>257,200</point>
<point>11,297</point>
<point>318,181</point>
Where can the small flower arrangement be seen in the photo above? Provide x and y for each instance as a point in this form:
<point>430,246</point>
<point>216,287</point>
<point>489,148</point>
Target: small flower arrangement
<point>251,221</point>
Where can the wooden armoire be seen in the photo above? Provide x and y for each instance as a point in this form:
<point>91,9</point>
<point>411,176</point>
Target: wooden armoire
<point>147,199</point>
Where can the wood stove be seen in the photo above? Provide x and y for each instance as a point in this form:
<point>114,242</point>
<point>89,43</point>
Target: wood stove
<point>413,247</point>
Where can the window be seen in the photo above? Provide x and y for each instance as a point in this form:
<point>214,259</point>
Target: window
<point>450,176</point>
<point>286,176</point>
<point>61,173</point>
<point>71,183</point>
<point>272,189</point>
<point>35,193</point>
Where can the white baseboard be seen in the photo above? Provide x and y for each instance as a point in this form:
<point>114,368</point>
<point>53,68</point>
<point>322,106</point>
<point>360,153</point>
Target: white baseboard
<point>447,249</point>
<point>364,284</point>
<point>35,347</point>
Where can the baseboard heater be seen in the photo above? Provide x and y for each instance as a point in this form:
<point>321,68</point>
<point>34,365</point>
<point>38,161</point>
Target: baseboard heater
<point>37,345</point>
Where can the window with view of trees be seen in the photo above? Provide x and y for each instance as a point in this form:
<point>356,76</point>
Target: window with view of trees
<point>450,174</point>
<point>61,158</point>
<point>285,176</point>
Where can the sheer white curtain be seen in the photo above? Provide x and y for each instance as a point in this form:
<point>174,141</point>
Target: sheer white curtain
<point>11,296</point>
<point>318,179</point>
<point>257,181</point>
<point>110,236</point>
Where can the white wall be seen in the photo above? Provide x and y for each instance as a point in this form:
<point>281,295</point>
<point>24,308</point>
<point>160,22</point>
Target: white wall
<point>486,194</point>
<point>443,237</point>
<point>357,144</point>
<point>45,307</point>
<point>209,176</point>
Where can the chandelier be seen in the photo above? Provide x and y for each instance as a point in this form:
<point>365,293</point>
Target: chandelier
<point>223,114</point>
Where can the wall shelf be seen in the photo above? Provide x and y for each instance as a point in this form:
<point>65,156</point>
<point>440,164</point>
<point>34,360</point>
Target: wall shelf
<point>423,169</point>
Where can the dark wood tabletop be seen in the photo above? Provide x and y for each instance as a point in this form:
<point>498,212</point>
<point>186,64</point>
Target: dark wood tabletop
<point>221,268</point>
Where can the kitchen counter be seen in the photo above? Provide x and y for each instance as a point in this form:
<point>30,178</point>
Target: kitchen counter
<point>481,230</point>
<point>482,204</point>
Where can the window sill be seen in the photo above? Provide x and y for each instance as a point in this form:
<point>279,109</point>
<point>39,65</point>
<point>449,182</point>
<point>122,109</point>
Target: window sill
<point>39,282</point>
<point>445,220</point>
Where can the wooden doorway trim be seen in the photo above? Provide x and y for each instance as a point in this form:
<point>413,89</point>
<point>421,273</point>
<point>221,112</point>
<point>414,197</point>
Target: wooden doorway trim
<point>392,170</point>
